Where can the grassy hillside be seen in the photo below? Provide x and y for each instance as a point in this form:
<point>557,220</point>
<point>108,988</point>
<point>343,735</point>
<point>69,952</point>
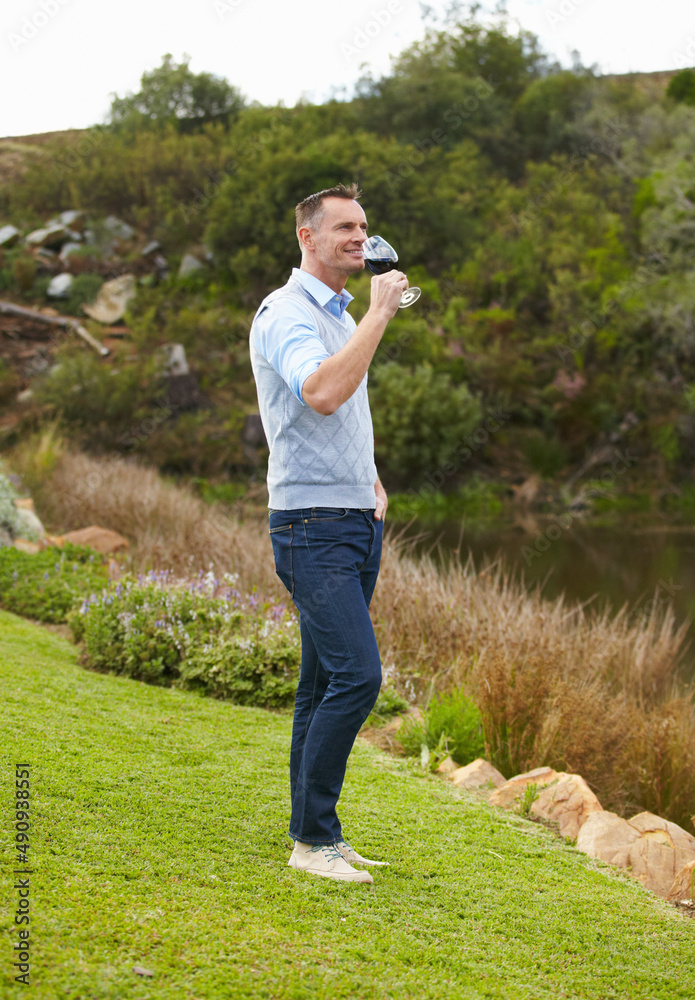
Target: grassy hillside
<point>158,840</point>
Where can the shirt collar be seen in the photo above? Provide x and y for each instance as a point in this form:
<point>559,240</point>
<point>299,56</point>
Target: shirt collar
<point>324,295</point>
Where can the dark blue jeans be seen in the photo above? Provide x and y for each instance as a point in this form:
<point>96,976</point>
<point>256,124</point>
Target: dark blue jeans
<point>328,558</point>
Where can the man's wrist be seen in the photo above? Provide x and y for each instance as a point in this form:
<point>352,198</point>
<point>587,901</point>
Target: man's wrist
<point>379,314</point>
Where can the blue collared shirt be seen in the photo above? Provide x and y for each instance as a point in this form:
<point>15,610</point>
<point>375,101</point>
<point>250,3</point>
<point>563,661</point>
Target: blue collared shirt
<point>287,338</point>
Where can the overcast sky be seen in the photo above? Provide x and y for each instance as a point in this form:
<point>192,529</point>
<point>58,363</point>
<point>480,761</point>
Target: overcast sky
<point>61,59</point>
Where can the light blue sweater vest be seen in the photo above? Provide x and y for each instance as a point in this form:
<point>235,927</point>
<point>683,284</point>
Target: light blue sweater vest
<point>315,460</point>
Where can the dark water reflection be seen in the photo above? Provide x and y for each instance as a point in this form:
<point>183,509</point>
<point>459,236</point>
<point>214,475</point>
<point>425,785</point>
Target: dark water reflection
<point>627,562</point>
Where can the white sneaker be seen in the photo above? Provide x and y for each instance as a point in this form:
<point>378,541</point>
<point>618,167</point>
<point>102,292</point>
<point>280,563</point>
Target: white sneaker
<point>326,860</point>
<point>353,858</point>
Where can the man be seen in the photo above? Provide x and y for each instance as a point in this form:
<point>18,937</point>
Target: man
<point>327,505</point>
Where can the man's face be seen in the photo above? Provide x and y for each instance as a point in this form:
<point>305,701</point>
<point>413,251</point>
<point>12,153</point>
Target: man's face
<point>338,240</point>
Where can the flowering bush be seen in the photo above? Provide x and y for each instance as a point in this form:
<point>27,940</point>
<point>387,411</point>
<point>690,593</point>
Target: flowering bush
<point>201,634</point>
<point>46,585</point>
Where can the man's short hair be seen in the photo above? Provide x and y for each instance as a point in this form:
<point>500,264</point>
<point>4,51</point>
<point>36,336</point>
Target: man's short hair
<point>310,211</point>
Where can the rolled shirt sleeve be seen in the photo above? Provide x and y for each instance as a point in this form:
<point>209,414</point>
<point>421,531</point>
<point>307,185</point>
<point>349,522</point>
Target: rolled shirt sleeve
<point>287,338</point>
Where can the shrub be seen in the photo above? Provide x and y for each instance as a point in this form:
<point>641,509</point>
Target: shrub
<point>200,634</point>
<point>421,420</point>
<point>100,400</point>
<point>9,516</point>
<point>451,721</point>
<point>84,288</point>
<point>47,585</point>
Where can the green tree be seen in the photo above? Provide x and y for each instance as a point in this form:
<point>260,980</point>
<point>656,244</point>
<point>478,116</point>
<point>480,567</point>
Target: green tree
<point>172,94</point>
<point>681,88</point>
<point>421,420</point>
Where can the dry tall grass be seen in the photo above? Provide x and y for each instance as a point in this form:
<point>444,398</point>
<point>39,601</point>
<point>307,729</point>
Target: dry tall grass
<point>556,684</point>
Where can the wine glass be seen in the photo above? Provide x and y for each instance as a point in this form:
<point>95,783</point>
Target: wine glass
<point>380,257</point>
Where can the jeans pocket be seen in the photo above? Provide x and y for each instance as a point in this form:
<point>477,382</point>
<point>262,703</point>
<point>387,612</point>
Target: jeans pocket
<point>281,539</point>
<point>326,514</point>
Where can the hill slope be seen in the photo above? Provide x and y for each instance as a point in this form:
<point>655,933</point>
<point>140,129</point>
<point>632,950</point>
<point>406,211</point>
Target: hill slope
<point>158,840</point>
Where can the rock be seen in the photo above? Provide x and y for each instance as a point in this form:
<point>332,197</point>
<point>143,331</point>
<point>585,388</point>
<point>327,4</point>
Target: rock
<point>52,237</point>
<point>67,250</point>
<point>102,539</point>
<point>477,774</point>
<point>511,790</point>
<point>663,830</point>
<point>29,525</point>
<point>113,298</point>
<point>683,888</point>
<point>73,219</point>
<point>8,236</point>
<point>447,766</point>
<point>117,228</point>
<point>189,265</point>
<point>527,491</point>
<point>175,362</point>
<point>568,802</point>
<point>607,837</point>
<point>183,393</point>
<point>151,247</point>
<point>59,287</point>
<point>5,538</point>
<point>31,548</point>
<point>162,265</point>
<point>25,396</point>
<point>252,432</point>
<point>661,852</point>
<point>653,849</point>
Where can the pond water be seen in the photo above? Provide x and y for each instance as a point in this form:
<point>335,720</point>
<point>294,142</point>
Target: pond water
<point>630,561</point>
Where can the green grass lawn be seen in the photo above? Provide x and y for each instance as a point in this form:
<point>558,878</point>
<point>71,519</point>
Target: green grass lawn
<point>159,840</point>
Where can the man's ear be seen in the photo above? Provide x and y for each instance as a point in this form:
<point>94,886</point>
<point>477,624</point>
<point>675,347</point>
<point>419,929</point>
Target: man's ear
<point>306,238</point>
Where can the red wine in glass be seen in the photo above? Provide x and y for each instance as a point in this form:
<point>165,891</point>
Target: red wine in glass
<point>380,257</point>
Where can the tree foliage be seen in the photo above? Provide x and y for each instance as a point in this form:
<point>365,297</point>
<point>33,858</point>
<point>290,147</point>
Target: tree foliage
<point>172,94</point>
<point>547,214</point>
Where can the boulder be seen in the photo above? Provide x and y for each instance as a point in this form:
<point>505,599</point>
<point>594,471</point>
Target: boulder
<point>23,545</point>
<point>112,301</point>
<point>102,539</point>
<point>661,852</point>
<point>189,265</point>
<point>52,237</point>
<point>513,789</point>
<point>67,250</point>
<point>117,228</point>
<point>607,837</point>
<point>447,765</point>
<point>567,802</point>
<point>73,219</point>
<point>8,236</point>
<point>175,362</point>
<point>653,849</point>
<point>29,525</point>
<point>59,287</point>
<point>683,888</point>
<point>477,774</point>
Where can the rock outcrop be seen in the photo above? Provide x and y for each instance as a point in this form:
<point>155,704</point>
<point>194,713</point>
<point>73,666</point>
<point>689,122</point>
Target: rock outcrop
<point>102,539</point>
<point>567,802</point>
<point>478,774</point>
<point>508,793</point>
<point>653,849</point>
